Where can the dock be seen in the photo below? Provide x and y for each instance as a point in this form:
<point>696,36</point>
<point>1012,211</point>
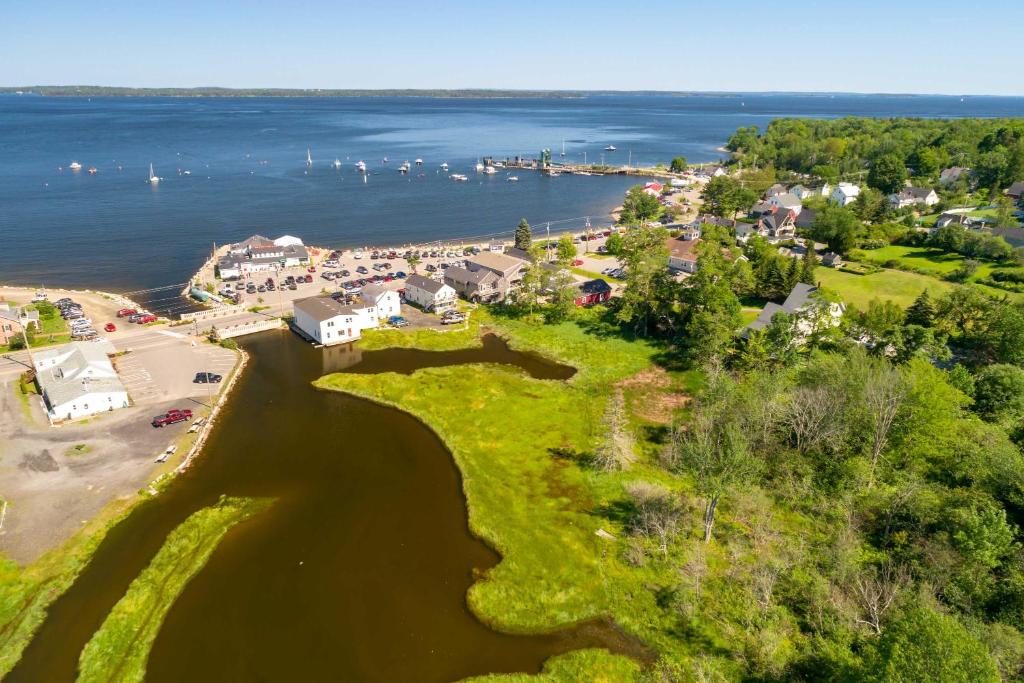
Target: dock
<point>546,165</point>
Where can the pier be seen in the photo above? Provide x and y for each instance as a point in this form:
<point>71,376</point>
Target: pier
<point>546,165</point>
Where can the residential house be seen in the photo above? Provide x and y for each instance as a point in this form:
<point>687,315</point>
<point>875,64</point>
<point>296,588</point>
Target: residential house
<point>806,219</point>
<point>428,294</point>
<point>387,301</point>
<point>779,225</point>
<point>1016,191</point>
<point>479,285</point>
<point>787,201</point>
<point>813,313</point>
<point>653,188</point>
<point>328,321</point>
<point>957,218</point>
<point>803,192</point>
<point>774,191</point>
<point>830,259</point>
<point>913,196</point>
<point>593,292</point>
<point>508,268</point>
<point>744,231</point>
<point>682,254</point>
<point>845,194</point>
<point>710,171</point>
<point>761,208</point>
<point>14,320</point>
<point>78,380</point>
<point>953,174</point>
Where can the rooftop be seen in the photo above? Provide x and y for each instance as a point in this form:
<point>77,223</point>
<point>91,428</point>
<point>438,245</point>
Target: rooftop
<point>322,308</point>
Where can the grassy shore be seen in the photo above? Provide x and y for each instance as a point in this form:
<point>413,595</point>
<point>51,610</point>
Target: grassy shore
<point>118,651</point>
<point>524,447</point>
<point>26,592</point>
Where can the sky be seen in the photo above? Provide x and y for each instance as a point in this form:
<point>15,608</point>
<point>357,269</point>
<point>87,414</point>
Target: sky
<point>896,46</point>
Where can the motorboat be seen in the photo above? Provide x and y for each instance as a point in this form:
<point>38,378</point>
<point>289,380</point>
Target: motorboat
<point>513,178</point>
<point>479,167</point>
<point>75,166</point>
<point>419,162</point>
<point>361,166</point>
<point>92,170</point>
<point>404,168</point>
<point>444,166</point>
<point>490,170</point>
<point>610,148</point>
<point>459,177</point>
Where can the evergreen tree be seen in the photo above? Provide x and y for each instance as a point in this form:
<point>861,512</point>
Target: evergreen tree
<point>793,272</point>
<point>922,311</point>
<point>810,262</point>
<point>524,238</point>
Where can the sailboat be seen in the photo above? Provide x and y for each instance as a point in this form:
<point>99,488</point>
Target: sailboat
<point>337,163</point>
<point>361,166</point>
<point>153,179</point>
<point>309,157</point>
<point>563,147</point>
<point>479,166</point>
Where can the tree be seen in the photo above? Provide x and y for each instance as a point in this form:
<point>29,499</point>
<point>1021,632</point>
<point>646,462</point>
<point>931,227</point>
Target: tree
<point>640,207</point>
<point>414,260</point>
<point>837,226</point>
<point>656,513</point>
<point>711,312</point>
<point>922,311</point>
<point>523,238</point>
<point>724,196</point>
<point>926,162</point>
<point>616,450</point>
<point>887,174</point>
<point>926,645</point>
<point>713,450</point>
<point>999,392</point>
<point>883,396</point>
<point>614,244</point>
<point>809,265</point>
<point>678,165</point>
<point>565,252</point>
<point>649,287</point>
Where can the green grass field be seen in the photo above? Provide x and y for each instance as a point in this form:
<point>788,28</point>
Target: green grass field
<point>928,261</point>
<point>119,649</point>
<point>897,286</point>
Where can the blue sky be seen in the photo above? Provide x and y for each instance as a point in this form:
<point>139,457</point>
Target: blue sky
<point>869,46</point>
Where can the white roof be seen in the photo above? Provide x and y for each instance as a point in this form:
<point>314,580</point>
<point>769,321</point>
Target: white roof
<point>848,189</point>
<point>287,240</point>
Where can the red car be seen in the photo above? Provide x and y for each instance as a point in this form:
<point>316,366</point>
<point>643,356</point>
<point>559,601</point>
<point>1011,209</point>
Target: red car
<point>172,416</point>
<point>577,262</point>
<point>308,278</point>
<point>311,269</point>
<point>110,327</point>
<point>125,312</point>
<point>147,318</point>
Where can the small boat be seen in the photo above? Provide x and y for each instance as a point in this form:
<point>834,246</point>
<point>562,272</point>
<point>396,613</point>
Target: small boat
<point>92,170</point>
<point>490,170</point>
<point>153,179</point>
<point>552,173</point>
<point>563,147</point>
<point>444,166</point>
<point>385,160</point>
<point>186,172</point>
<point>610,148</point>
<point>479,167</point>
<point>459,177</point>
<point>75,166</point>
<point>404,168</point>
<point>309,157</point>
<point>361,166</point>
<point>513,178</point>
<point>337,163</point>
<point>419,162</point>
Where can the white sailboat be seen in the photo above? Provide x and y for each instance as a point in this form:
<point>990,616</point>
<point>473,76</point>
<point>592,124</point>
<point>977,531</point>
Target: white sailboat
<point>309,157</point>
<point>479,166</point>
<point>361,166</point>
<point>563,147</point>
<point>337,163</point>
<point>153,179</point>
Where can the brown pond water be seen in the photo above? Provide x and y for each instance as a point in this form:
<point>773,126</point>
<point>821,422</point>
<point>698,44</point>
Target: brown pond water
<point>359,570</point>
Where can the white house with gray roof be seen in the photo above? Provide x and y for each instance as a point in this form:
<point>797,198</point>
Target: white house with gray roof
<point>328,321</point>
<point>78,380</point>
<point>429,294</point>
<point>812,313</point>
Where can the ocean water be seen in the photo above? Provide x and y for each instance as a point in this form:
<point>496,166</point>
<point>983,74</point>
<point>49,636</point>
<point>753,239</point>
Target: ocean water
<point>115,230</point>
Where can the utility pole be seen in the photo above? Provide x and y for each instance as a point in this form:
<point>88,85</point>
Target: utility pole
<point>547,245</point>
<point>586,227</point>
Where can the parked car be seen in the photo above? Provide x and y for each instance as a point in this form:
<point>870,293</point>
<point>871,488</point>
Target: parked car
<point>172,416</point>
<point>397,321</point>
<point>293,286</point>
<point>207,377</point>
<point>146,318</point>
<point>345,273</point>
<point>452,318</point>
<point>431,268</point>
<point>400,275</point>
<point>125,312</point>
<point>362,269</point>
<point>577,262</point>
<point>110,327</point>
<point>311,269</point>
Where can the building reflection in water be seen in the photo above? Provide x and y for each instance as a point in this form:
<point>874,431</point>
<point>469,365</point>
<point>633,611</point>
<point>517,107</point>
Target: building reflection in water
<point>339,357</point>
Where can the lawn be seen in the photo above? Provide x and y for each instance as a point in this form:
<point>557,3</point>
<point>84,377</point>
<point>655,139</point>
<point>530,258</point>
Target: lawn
<point>923,260</point>
<point>898,286</point>
<point>595,276</point>
<point>119,649</point>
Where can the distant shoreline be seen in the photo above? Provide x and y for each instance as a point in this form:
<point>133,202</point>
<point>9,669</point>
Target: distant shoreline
<point>437,93</point>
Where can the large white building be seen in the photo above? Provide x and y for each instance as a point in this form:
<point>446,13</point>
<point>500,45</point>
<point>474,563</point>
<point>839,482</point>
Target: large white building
<point>430,295</point>
<point>78,380</point>
<point>328,321</point>
<point>259,254</point>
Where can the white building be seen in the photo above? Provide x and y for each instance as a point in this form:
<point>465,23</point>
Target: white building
<point>328,321</point>
<point>912,196</point>
<point>78,380</point>
<point>845,194</point>
<point>803,192</point>
<point>787,200</point>
<point>387,301</point>
<point>430,295</point>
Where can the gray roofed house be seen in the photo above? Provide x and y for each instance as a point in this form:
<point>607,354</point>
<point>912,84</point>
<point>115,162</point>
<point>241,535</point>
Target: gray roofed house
<point>248,243</point>
<point>425,283</point>
<point>787,200</point>
<point>500,264</point>
<point>478,285</point>
<point>1016,191</point>
<point>78,380</point>
<point>320,308</point>
<point>910,196</point>
<point>776,189</point>
<point>806,218</point>
<point>801,303</point>
<point>761,208</point>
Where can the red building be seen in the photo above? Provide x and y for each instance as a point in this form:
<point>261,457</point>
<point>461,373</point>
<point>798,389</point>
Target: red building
<point>593,292</point>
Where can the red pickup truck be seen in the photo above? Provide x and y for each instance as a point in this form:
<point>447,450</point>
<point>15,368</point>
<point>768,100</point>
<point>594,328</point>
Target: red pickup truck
<point>172,416</point>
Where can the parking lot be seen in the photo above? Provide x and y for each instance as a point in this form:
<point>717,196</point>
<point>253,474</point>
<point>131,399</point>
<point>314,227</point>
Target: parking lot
<point>163,367</point>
